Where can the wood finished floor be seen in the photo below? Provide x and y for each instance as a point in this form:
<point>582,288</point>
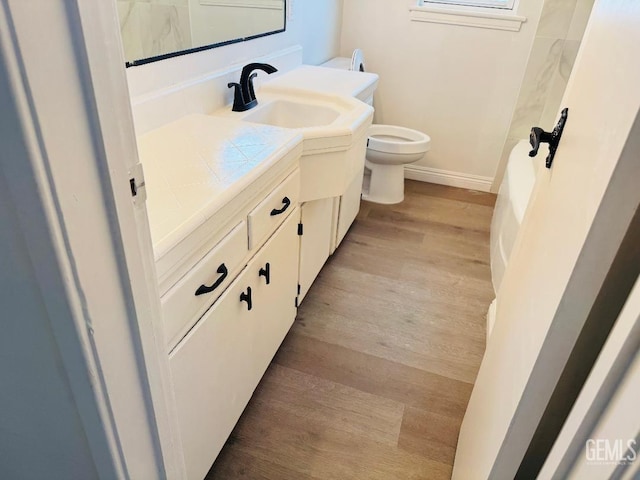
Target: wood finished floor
<point>374,377</point>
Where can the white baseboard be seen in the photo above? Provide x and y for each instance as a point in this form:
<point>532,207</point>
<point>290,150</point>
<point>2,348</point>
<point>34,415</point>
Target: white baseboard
<point>445,177</point>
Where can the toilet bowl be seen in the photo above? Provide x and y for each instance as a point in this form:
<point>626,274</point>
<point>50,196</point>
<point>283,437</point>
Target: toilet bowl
<point>389,149</point>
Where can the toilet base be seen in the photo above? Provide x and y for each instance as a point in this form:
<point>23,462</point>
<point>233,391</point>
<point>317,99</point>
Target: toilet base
<point>386,184</point>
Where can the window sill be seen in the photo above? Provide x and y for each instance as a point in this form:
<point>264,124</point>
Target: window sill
<point>266,4</point>
<point>468,17</point>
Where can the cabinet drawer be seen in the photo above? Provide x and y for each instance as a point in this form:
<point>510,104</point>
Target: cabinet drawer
<point>196,291</point>
<point>271,212</point>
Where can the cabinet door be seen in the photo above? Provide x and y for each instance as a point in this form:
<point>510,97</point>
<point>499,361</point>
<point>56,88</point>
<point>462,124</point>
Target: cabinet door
<point>317,218</point>
<point>349,207</point>
<point>212,377</point>
<point>274,301</point>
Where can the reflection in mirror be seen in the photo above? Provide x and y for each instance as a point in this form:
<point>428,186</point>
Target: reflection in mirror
<point>156,29</point>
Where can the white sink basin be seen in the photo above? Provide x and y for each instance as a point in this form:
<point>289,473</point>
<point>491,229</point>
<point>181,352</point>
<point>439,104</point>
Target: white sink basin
<point>290,114</point>
<point>334,134</point>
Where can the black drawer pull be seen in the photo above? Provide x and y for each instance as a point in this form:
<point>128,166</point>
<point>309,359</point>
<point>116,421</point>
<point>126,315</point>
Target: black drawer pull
<point>246,297</point>
<point>266,273</point>
<point>286,202</point>
<point>202,289</point>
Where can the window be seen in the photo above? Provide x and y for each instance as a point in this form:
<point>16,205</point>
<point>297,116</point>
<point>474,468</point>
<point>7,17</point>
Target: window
<point>492,14</point>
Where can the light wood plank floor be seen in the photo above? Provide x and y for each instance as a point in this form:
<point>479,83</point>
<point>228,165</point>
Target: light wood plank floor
<point>374,377</point>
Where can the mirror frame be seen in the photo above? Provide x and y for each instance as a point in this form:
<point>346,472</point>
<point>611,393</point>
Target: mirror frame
<point>164,56</point>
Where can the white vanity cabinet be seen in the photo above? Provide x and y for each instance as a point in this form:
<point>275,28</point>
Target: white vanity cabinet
<point>216,367</point>
<point>236,253</point>
<point>223,204</point>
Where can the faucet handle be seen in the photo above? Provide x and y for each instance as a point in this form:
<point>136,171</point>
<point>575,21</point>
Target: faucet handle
<point>239,104</point>
<point>252,93</point>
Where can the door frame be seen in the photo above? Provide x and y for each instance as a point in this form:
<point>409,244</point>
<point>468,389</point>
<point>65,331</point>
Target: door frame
<point>72,91</point>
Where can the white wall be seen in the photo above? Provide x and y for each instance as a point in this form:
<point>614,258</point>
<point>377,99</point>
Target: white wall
<point>458,84</point>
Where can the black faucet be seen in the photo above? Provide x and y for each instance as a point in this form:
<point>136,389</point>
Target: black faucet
<point>244,97</point>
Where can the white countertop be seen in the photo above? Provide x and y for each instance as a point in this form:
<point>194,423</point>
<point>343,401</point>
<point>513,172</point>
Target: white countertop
<point>196,165</point>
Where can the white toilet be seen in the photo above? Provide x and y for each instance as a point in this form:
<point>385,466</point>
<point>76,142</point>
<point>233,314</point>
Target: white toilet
<point>389,148</point>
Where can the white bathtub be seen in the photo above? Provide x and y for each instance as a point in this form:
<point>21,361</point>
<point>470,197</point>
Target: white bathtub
<point>513,198</point>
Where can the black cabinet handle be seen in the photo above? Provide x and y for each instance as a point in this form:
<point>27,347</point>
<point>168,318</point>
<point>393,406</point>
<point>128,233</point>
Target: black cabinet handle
<point>266,273</point>
<point>286,202</point>
<point>202,289</point>
<point>246,297</point>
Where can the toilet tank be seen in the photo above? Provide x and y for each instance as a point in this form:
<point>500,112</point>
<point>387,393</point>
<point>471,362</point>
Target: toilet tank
<point>338,81</point>
<point>513,198</point>
<point>365,84</point>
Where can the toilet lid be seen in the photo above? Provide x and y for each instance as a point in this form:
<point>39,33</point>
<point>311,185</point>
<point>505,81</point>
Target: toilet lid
<point>357,61</point>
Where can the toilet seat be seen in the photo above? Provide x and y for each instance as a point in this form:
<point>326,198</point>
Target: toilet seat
<point>397,140</point>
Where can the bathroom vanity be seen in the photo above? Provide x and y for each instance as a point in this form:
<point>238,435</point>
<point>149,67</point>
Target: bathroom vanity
<point>223,209</point>
<point>244,210</point>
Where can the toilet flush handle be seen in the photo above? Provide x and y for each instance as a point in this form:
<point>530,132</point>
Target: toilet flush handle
<point>539,136</point>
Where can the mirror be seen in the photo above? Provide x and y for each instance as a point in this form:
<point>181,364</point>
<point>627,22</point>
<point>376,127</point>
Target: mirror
<point>158,29</point>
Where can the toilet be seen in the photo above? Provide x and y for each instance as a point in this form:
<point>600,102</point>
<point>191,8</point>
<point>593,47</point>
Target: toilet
<point>389,147</point>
